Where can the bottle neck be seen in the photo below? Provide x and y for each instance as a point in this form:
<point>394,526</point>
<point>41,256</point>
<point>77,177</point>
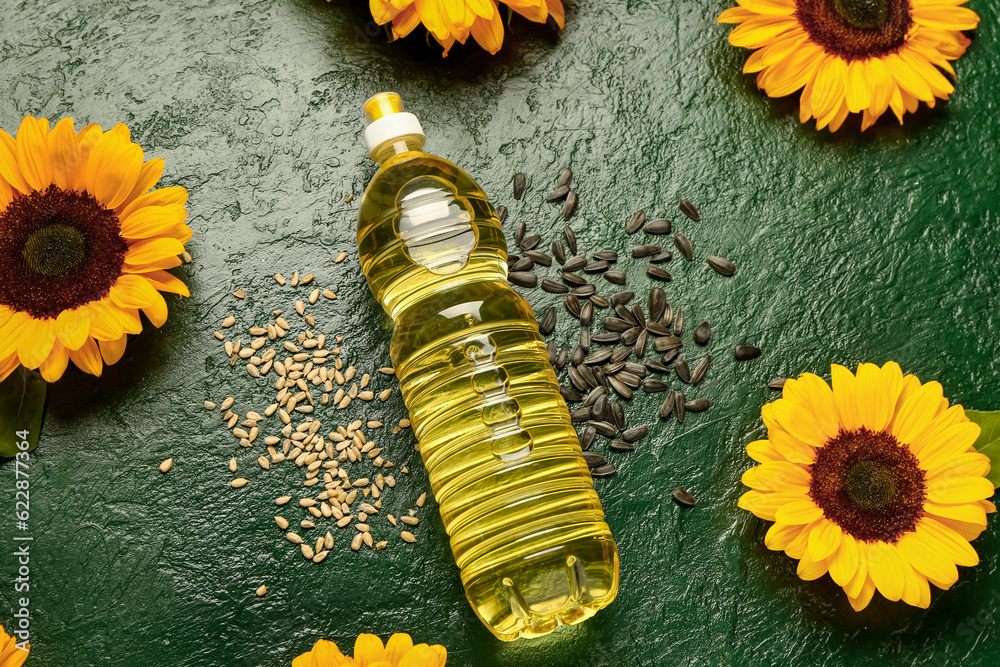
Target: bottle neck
<point>403,144</point>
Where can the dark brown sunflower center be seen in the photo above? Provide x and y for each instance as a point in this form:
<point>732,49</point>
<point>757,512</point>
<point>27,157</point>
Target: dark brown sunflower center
<point>869,485</point>
<point>856,29</point>
<point>59,249</point>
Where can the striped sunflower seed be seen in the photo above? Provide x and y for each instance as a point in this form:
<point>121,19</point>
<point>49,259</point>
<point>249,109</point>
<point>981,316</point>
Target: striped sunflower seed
<point>618,413</point>
<point>657,226</point>
<point>616,277</point>
<point>538,257</point>
<point>621,298</point>
<point>529,242</point>
<point>683,244</point>
<point>682,496</point>
<point>570,238</point>
<point>688,209</point>
<point>680,402</point>
<point>502,213</point>
<point>658,273</point>
<point>575,263</point>
<point>519,229</point>
<point>559,251</point>
<point>548,322</point>
<point>777,383</point>
<point>721,265</point>
<point>668,405</point>
<point>605,470</point>
<point>637,220</point>
<point>570,205</point>
<point>683,370</point>
<point>639,251</point>
<point>679,322</point>
<point>559,194</point>
<point>621,446</point>
<point>572,302</point>
<point>701,369</point>
<point>520,181</point>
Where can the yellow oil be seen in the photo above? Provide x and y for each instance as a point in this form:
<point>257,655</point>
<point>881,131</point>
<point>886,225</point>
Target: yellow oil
<point>517,500</point>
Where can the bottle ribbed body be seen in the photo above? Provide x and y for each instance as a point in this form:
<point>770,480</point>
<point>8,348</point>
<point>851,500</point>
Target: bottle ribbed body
<point>516,497</point>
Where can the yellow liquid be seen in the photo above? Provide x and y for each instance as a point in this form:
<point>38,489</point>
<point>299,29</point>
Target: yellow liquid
<point>516,497</point>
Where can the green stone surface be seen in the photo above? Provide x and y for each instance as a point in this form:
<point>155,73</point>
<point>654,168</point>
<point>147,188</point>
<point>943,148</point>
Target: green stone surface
<point>849,247</point>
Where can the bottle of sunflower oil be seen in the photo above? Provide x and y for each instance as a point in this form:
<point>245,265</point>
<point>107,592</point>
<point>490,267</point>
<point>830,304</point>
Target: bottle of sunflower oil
<point>526,526</point>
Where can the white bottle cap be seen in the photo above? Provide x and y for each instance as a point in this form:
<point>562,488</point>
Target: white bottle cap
<point>388,120</point>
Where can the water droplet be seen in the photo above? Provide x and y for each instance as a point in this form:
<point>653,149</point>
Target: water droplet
<point>247,95</point>
<point>277,131</point>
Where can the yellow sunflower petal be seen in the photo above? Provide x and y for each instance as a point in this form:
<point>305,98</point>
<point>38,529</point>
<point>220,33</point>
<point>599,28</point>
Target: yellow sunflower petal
<point>382,11</point>
<point>967,464</point>
<point>106,320</point>
<point>735,15</point>
<point>940,86</point>
<point>488,33</point>
<point>761,451</point>
<point>919,552</point>
<point>908,79</point>
<point>858,91</point>
<point>159,197</point>
<point>857,582</point>
<point>810,569</point>
<point>824,541</point>
<point>7,366</point>
<point>112,350</point>
<point>864,597</point>
<point>55,364</point>
<point>405,22</point>
<point>159,265</point>
<point>33,152</point>
<point>945,18</point>
<point>36,342</point>
<point>952,490</point>
<point>152,250</point>
<point>845,395</point>
<point>149,174</point>
<point>557,12</point>
<point>914,585</point>
<point>9,170</point>
<point>966,512</point>
<point>917,412</point>
<point>778,536</point>
<point>779,476</point>
<point>798,512</point>
<point>931,436</point>
<point>87,358</point>
<point>791,448</point>
<point>397,646</point>
<point>167,282</point>
<point>953,441</point>
<point>12,327</point>
<point>533,10</point>
<point>799,422</point>
<point>770,7</point>
<point>368,649</point>
<point>73,327</point>
<point>829,87</point>
<point>64,151</point>
<point>886,568</point>
<point>152,221</point>
<point>798,547</point>
<point>420,655</point>
<point>112,169</point>
<point>844,562</point>
<point>766,505</point>
<point>760,31</point>
<point>432,17</point>
<point>873,398</point>
<point>949,542</point>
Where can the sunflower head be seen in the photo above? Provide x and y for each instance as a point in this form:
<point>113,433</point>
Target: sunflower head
<point>369,651</point>
<point>874,480</point>
<point>84,245</point>
<point>852,56</point>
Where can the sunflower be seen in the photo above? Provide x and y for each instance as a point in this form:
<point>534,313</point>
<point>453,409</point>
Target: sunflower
<point>10,654</point>
<point>369,652</point>
<point>84,245</point>
<point>875,481</point>
<point>852,56</point>
<point>451,21</point>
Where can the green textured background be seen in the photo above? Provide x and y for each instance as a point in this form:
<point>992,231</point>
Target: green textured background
<point>850,248</point>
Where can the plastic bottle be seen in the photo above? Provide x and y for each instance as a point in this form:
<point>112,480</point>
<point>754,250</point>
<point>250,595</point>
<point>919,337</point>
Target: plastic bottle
<point>516,497</point>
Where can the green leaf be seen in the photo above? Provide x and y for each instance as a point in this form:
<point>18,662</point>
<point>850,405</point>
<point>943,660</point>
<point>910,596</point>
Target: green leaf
<point>989,440</point>
<point>22,402</point>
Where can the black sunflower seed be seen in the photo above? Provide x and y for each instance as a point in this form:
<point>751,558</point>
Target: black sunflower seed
<point>551,349</point>
<point>654,386</point>
<point>570,239</point>
<point>620,388</point>
<point>683,370</point>
<point>656,303</point>
<point>658,226</point>
<point>538,257</point>
<point>657,329</point>
<point>548,322</point>
<point>746,352</point>
<point>598,356</point>
<point>519,228</point>
<point>616,277</point>
<point>577,357</point>
<point>599,301</point>
<point>658,273</point>
<point>572,302</point>
<point>645,250</point>
<point>656,366</point>
<point>529,242</point>
<point>679,402</point>
<point>701,369</point>
<point>523,278</point>
<point>667,406</point>
<point>572,202</point>
<point>638,315</point>
<point>607,429</point>
<point>570,395</point>
<point>594,395</point>
<point>610,337</point>
<point>659,257</point>
<point>554,287</point>
<point>679,322</point>
<point>593,460</point>
<point>664,343</point>
<point>626,314</point>
<point>721,265</point>
<point>618,414</point>
<point>600,409</point>
<point>640,344</point>
<point>559,252</point>
<point>558,194</point>
<point>616,324</point>
<point>702,333</point>
<point>573,279</point>
<point>523,264</point>
<point>621,446</point>
<point>631,336</point>
<point>599,375</point>
<point>668,316</point>
<point>621,354</point>
<point>606,256</point>
<point>635,434</point>
<point>587,311</point>
<point>605,470</point>
<point>587,439</point>
<point>670,355</point>
<point>683,244</point>
<point>580,414</point>
<point>588,375</point>
<point>585,337</point>
<point>631,380</point>
<point>561,357</point>
<point>565,177</point>
<point>520,181</point>
<point>611,369</point>
<point>575,263</point>
<point>576,378</point>
<point>689,210</point>
<point>502,213</point>
<point>621,298</point>
<point>597,267</point>
<point>777,383</point>
<point>636,369</point>
<point>697,405</point>
<point>683,497</point>
<point>638,220</point>
<point>584,290</point>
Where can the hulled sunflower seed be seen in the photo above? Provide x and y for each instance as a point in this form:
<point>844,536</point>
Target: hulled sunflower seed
<point>605,470</point>
<point>654,386</point>
<point>668,405</point>
<point>558,194</point>
<point>559,252</point>
<point>571,204</point>
<point>548,322</point>
<point>529,242</point>
<point>520,181</point>
<point>519,228</point>
<point>702,333</point>
<point>682,496</point>
<point>688,209</point>
<point>637,220</point>
<point>721,265</point>
<point>657,226</point>
<point>621,446</point>
<point>656,304</point>
<point>697,405</point>
<point>679,322</point>
<point>634,434</point>
<point>701,369</point>
<point>746,352</point>
<point>565,177</point>
<point>167,465</point>
<point>502,213</point>
<point>616,277</point>
<point>593,459</point>
<point>683,370</point>
<point>645,250</point>
<point>683,244</point>
<point>777,383</point>
<point>570,238</point>
<point>618,413</point>
<point>554,287</point>
<point>522,278</point>
<point>538,257</point>
<point>680,402</point>
<point>658,273</point>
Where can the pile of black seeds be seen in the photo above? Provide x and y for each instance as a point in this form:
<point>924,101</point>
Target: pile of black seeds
<point>626,349</point>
